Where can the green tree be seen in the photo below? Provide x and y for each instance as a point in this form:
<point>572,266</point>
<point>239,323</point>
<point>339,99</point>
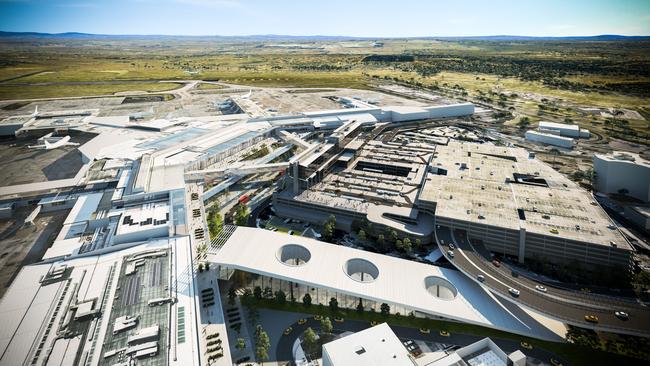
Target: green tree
<point>418,243</point>
<point>326,325</point>
<point>262,344</point>
<point>643,279</point>
<point>406,245</point>
<point>360,306</point>
<point>524,122</point>
<point>241,216</point>
<point>232,295</point>
<point>334,305</point>
<point>257,293</point>
<point>241,343</point>
<point>385,309</point>
<point>329,227</point>
<point>362,235</point>
<point>215,222</point>
<point>306,300</point>
<point>381,240</point>
<point>310,341</point>
<point>268,293</point>
<point>280,297</point>
<point>393,237</point>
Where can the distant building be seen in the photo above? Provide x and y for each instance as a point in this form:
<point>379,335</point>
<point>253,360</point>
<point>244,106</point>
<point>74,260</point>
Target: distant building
<point>623,172</point>
<point>550,139</point>
<point>563,129</point>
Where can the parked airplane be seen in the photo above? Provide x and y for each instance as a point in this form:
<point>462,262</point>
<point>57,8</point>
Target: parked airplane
<point>248,95</point>
<point>60,141</point>
<point>141,115</point>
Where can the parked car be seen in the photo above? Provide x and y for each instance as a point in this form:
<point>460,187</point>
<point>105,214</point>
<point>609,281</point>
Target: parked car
<point>452,246</point>
<point>480,278</point>
<point>302,321</point>
<point>496,263</point>
<point>514,292</point>
<point>526,345</point>
<point>444,333</point>
<point>288,331</point>
<point>425,330</point>
<point>450,254</point>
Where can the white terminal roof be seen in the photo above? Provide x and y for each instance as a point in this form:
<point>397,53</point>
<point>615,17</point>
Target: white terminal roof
<point>375,346</point>
<point>84,208</point>
<point>26,309</point>
<point>399,281</point>
<point>144,217</point>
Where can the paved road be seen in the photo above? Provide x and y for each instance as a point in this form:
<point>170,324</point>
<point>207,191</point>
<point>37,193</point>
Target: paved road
<point>565,305</point>
<point>284,347</point>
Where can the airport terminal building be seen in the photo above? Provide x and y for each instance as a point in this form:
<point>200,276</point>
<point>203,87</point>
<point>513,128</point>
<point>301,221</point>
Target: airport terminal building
<point>503,197</point>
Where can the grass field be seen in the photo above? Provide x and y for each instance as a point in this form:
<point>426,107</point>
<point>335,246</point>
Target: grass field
<point>518,76</point>
<point>58,91</point>
<point>208,86</point>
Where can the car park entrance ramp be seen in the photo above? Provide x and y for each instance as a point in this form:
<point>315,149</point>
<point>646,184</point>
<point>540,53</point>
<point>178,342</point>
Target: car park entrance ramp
<point>423,288</point>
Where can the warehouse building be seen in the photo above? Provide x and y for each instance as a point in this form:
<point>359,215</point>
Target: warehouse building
<point>563,129</point>
<point>550,139</point>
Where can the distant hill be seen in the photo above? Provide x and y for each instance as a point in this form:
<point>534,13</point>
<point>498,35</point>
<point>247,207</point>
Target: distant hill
<point>277,38</point>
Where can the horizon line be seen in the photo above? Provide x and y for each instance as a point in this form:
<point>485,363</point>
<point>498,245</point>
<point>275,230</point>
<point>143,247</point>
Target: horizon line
<point>319,35</point>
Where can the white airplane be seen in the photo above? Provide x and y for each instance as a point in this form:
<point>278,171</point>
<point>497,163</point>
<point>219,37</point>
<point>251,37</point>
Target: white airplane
<point>248,95</point>
<point>35,112</point>
<point>60,142</point>
<point>141,115</point>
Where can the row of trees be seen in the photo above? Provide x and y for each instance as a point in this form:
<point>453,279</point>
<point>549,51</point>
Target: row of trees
<point>215,222</point>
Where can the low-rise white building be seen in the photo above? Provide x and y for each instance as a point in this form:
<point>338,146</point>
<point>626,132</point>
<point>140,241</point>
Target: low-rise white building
<point>563,129</point>
<point>375,346</point>
<point>623,172</point>
<point>550,139</point>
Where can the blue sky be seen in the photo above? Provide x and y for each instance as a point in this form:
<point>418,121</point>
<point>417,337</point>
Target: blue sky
<point>378,18</point>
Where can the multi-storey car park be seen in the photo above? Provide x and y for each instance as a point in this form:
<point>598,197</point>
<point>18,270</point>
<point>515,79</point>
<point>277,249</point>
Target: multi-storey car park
<point>121,283</point>
<point>518,206</point>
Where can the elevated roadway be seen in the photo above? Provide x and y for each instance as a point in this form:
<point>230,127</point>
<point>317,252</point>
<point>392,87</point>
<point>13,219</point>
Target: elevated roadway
<point>567,306</point>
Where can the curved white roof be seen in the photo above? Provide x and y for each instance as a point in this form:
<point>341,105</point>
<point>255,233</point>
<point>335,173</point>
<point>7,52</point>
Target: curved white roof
<point>399,281</point>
